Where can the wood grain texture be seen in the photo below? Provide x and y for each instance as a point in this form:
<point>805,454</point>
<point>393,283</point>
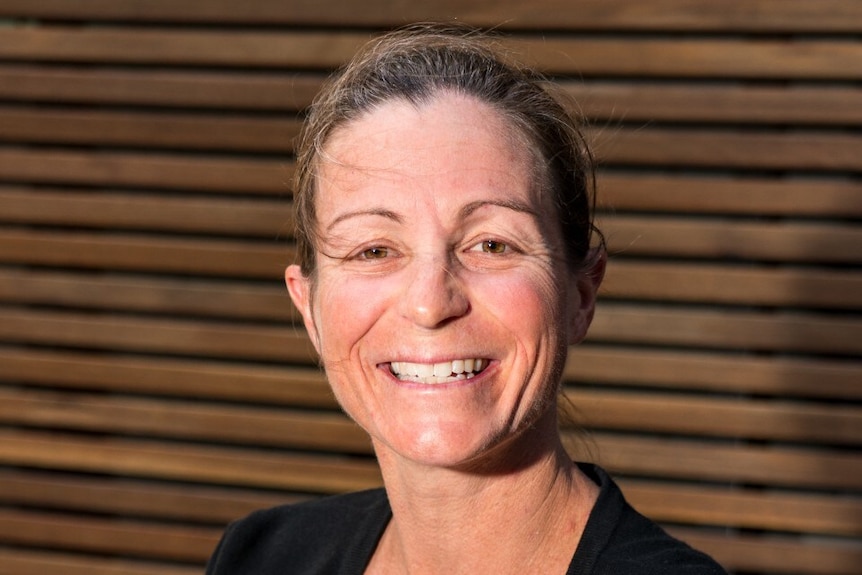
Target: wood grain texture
<point>768,16</point>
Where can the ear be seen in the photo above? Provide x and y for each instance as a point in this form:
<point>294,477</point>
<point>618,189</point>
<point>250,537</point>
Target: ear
<point>299,288</point>
<point>583,291</point>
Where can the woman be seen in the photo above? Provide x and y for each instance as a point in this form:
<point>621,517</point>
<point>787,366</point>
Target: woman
<point>446,266</point>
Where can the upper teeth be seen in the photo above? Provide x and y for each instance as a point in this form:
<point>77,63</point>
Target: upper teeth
<point>438,372</point>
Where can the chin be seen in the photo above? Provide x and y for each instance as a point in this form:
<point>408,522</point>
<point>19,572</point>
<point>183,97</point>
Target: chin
<point>436,447</point>
<point>467,450</point>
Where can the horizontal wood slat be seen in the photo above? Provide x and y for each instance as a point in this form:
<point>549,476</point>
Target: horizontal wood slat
<point>619,101</point>
<point>193,421</point>
<point>28,562</point>
<point>713,328</point>
<point>189,544</point>
<point>663,15</point>
<point>186,462</point>
<point>146,129</point>
<point>687,194</point>
<point>222,90</point>
<point>697,504</point>
<point>703,58</point>
<point>713,103</point>
<point>225,299</point>
<point>718,372</point>
<point>128,252</point>
<point>139,499</point>
<point>728,239</point>
<point>166,171</point>
<point>169,377</point>
<point>812,59</point>
<point>733,284</point>
<point>227,216</point>
<point>249,49</point>
<point>750,419</point>
<point>741,150</point>
<point>776,553</point>
<point>266,343</point>
<point>751,464</point>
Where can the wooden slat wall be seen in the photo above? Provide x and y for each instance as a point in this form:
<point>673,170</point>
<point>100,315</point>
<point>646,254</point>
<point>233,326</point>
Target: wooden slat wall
<point>154,383</point>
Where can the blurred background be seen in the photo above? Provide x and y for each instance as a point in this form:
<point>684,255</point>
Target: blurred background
<point>154,381</point>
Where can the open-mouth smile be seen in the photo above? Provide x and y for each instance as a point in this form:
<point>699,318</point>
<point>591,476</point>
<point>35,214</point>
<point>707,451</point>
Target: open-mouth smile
<point>436,373</point>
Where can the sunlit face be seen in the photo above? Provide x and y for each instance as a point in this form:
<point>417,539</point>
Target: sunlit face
<point>442,307</point>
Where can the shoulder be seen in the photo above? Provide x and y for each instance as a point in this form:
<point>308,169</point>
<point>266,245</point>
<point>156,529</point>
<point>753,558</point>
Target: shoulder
<point>304,537</point>
<point>622,541</point>
<point>639,546</point>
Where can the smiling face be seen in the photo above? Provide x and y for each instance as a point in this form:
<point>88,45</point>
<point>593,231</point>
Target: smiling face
<point>441,306</point>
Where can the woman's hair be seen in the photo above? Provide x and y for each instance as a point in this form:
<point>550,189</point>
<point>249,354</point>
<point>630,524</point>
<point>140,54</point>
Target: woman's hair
<point>419,62</point>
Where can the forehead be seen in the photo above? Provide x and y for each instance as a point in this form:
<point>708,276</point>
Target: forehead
<point>451,141</point>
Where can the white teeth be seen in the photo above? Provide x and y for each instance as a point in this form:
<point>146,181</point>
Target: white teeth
<point>443,372</point>
<point>424,370</point>
<point>458,366</point>
<point>442,369</point>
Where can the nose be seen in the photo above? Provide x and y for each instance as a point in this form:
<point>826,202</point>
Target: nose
<point>434,294</point>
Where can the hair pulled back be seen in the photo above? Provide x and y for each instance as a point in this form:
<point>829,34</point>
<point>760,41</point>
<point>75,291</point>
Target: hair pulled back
<point>419,62</point>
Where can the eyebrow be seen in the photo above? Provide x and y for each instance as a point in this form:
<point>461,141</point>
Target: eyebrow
<point>359,213</point>
<point>516,206</point>
<point>463,214</point>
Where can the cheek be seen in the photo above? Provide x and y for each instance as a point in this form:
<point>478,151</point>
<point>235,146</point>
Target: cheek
<point>347,309</point>
<point>522,299</point>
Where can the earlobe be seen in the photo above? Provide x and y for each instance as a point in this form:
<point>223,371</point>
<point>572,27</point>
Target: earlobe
<point>584,294</point>
<point>299,288</point>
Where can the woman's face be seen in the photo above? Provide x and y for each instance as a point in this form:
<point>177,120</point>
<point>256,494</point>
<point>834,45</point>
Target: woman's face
<point>442,307</point>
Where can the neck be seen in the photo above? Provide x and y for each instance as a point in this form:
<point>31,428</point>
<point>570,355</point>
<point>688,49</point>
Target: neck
<point>465,520</point>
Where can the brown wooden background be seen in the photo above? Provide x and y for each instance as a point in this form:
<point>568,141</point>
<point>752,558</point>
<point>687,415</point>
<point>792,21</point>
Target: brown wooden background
<point>153,385</point>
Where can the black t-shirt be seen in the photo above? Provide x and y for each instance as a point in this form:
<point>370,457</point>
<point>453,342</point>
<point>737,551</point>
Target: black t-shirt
<point>338,535</point>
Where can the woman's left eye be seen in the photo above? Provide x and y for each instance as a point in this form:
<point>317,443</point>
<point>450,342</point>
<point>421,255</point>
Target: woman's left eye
<point>493,247</point>
<point>375,253</point>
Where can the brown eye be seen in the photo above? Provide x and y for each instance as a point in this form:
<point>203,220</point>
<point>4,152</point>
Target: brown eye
<point>493,247</point>
<point>375,253</point>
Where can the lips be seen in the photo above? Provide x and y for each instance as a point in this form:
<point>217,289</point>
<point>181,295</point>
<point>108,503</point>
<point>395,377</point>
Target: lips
<point>435,373</point>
